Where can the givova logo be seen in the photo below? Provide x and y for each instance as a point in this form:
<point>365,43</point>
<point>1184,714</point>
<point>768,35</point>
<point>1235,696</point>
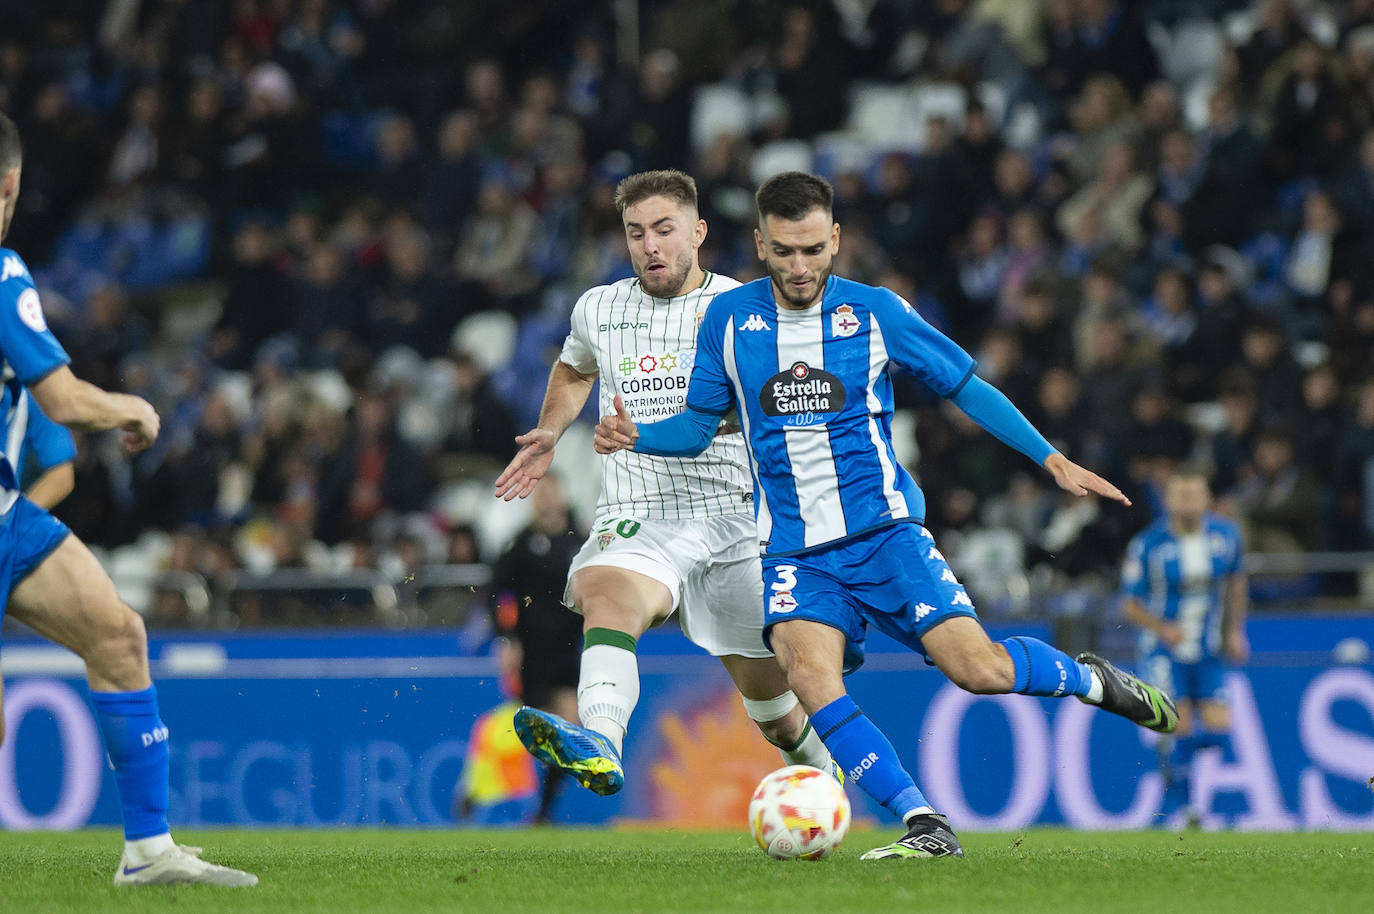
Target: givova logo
<point>802,389</point>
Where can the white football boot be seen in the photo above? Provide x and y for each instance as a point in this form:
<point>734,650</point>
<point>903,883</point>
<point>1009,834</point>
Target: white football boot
<point>180,865</point>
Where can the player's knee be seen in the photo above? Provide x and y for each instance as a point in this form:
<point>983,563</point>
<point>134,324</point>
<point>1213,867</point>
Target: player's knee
<point>121,639</point>
<point>812,681</point>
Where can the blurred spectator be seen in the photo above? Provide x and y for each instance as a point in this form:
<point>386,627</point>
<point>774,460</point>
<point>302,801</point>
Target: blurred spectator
<point>492,254</point>
<point>373,472</point>
<point>1279,500</point>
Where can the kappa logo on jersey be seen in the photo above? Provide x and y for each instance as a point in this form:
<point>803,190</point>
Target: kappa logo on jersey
<point>31,310</point>
<point>801,390</point>
<point>13,267</point>
<point>755,323</point>
<point>843,322</point>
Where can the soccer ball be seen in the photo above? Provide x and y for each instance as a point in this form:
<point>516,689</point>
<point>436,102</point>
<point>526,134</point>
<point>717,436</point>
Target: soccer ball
<point>799,813</point>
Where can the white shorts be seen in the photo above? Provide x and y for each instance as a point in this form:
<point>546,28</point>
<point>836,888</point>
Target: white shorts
<point>710,567</point>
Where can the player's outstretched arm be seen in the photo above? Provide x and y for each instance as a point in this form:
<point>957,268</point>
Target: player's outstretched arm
<point>78,404</point>
<point>566,395</point>
<point>685,435</point>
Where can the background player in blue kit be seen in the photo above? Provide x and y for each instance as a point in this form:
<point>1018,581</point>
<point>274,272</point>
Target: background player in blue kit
<point>54,585</point>
<point>804,357</point>
<point>1185,589</point>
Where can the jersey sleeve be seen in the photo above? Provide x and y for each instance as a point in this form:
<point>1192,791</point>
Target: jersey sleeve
<point>579,350</point>
<point>50,443</point>
<point>709,390</point>
<point>1134,582</point>
<point>919,348</point>
<point>25,340</point>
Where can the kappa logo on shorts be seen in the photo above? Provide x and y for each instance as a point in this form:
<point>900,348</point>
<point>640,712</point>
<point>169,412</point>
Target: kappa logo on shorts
<point>923,610</point>
<point>961,599</point>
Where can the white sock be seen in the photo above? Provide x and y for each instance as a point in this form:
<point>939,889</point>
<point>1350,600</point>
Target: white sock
<point>810,751</point>
<point>608,690</point>
<point>918,811</point>
<point>143,850</point>
<point>1094,695</point>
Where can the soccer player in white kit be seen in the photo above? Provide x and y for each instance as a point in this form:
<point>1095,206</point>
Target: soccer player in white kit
<point>670,533</point>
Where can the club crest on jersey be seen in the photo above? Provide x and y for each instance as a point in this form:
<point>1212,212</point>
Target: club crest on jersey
<point>802,391</point>
<point>843,322</point>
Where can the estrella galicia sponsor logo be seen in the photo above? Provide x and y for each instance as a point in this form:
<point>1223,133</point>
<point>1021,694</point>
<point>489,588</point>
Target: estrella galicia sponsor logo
<point>802,389</point>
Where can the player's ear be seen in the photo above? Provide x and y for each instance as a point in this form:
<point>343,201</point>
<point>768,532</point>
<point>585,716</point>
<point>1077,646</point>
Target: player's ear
<point>835,239</point>
<point>758,243</point>
<point>10,188</point>
<point>699,233</point>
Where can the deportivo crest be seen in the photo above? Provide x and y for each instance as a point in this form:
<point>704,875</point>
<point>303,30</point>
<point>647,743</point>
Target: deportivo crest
<point>801,390</point>
<point>31,311</point>
<point>843,322</point>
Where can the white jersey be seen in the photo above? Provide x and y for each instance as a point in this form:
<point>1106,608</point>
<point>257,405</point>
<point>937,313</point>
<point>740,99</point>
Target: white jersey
<point>643,348</point>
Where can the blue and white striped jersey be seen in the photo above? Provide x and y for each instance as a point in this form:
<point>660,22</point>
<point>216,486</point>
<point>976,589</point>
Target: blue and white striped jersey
<point>815,402</point>
<point>1182,579</point>
<point>28,353</point>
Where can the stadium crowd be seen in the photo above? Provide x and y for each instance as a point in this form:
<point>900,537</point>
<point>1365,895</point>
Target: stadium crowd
<point>336,244</point>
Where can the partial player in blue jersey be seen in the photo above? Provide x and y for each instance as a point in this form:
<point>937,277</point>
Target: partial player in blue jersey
<point>803,355</point>
<point>1184,587</point>
<point>44,462</point>
<point>52,583</point>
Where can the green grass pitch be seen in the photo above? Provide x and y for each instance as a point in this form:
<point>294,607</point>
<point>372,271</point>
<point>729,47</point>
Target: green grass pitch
<point>555,870</point>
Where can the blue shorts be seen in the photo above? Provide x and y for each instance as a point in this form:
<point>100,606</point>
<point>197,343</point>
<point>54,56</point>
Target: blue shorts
<point>28,535</point>
<point>893,578</point>
<point>1204,680</point>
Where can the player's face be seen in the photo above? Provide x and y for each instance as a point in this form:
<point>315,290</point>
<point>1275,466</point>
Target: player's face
<point>1187,499</point>
<point>11,195</point>
<point>663,236</point>
<point>797,254</point>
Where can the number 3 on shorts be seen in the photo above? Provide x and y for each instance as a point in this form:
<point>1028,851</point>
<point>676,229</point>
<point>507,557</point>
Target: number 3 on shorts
<point>785,580</point>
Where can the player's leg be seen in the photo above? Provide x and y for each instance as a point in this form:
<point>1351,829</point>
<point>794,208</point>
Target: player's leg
<point>952,637</point>
<point>617,606</point>
<point>68,598</point>
<point>812,653</point>
<point>776,711</point>
<point>722,613</point>
<point>562,701</point>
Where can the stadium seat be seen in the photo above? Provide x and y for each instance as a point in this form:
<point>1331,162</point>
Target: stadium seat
<point>718,109</point>
<point>488,337</point>
<point>881,115</point>
<point>779,156</point>
<point>946,100</point>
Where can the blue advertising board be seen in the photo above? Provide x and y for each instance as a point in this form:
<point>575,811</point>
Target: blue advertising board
<point>373,729</point>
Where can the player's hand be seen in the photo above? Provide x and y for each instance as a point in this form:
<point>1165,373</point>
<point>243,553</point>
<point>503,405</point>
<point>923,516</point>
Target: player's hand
<point>528,466</point>
<point>614,433</point>
<point>1075,479</point>
<point>1171,633</point>
<point>1236,646</point>
<point>140,431</point>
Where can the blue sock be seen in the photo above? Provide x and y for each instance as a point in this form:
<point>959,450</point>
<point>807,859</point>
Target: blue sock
<point>136,740</point>
<point>1042,669</point>
<point>866,756</point>
<point>1176,791</point>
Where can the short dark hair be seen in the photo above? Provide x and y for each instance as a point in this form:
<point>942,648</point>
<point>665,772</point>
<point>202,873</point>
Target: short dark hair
<point>11,151</point>
<point>676,185</point>
<point>793,194</point>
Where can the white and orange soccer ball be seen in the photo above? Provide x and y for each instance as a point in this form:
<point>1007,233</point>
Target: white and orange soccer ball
<point>799,813</point>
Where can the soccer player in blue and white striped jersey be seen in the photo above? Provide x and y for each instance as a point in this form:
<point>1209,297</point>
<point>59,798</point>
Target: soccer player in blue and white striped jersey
<point>803,355</point>
<point>1185,589</point>
<point>50,581</point>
